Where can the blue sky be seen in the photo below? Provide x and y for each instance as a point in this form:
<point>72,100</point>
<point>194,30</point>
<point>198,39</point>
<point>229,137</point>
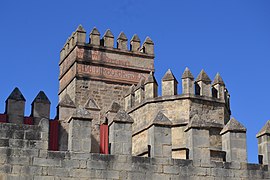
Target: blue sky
<point>230,37</point>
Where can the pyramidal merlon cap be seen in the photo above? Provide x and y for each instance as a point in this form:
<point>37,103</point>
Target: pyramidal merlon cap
<point>140,83</point>
<point>95,31</point>
<point>135,38</point>
<point>218,80</point>
<point>42,98</point>
<point>203,77</point>
<point>80,29</point>
<point>187,74</point>
<point>109,33</point>
<point>264,130</point>
<point>169,76</point>
<point>122,36</point>
<point>151,78</point>
<point>148,40</point>
<point>233,126</point>
<point>123,117</point>
<point>16,95</point>
<point>161,119</point>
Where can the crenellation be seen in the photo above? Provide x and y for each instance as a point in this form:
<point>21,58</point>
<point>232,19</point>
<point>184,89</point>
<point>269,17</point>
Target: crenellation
<point>169,84</point>
<point>94,37</point>
<point>15,106</point>
<point>80,127</point>
<point>79,36</point>
<point>203,85</point>
<point>120,134</point>
<point>108,128</point>
<point>108,39</point>
<point>122,41</point>
<point>135,43</point>
<point>40,107</point>
<point>160,137</point>
<point>187,82</point>
<point>151,86</point>
<point>148,46</point>
<point>234,141</point>
<point>130,97</point>
<point>139,92</point>
<point>264,143</point>
<point>218,87</point>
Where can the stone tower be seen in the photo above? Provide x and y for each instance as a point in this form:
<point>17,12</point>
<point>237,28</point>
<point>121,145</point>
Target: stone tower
<point>94,73</point>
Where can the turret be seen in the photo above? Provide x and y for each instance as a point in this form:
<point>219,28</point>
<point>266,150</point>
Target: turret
<point>234,141</point>
<point>169,84</point>
<point>148,46</point>
<point>135,43</point>
<point>40,107</point>
<point>95,37</point>
<point>150,86</point>
<point>218,87</point>
<point>187,82</point>
<point>15,105</point>
<point>264,144</point>
<point>203,85</point>
<point>122,41</point>
<point>108,39</point>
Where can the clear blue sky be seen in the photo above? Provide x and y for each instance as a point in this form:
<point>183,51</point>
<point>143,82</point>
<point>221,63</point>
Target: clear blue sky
<point>230,37</point>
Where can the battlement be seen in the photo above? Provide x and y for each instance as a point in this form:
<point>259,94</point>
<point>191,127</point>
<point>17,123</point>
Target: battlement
<point>106,42</point>
<point>24,151</point>
<point>15,108</point>
<point>201,88</point>
<point>112,124</point>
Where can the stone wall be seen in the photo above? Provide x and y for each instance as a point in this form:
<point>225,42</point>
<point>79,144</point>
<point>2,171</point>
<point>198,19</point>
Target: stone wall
<point>179,109</point>
<point>48,165</point>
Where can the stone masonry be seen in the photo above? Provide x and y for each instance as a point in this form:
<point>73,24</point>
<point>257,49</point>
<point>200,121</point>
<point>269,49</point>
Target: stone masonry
<point>188,135</point>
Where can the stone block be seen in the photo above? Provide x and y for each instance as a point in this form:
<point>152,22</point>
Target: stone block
<point>43,177</point>
<point>46,162</point>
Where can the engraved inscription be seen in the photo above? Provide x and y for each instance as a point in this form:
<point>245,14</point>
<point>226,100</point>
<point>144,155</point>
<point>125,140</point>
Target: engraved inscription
<point>98,56</point>
<point>109,73</point>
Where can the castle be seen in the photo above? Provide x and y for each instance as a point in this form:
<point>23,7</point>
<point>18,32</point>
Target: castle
<point>111,123</point>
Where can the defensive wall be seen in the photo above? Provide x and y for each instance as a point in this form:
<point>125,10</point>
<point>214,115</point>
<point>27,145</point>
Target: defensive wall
<point>172,136</point>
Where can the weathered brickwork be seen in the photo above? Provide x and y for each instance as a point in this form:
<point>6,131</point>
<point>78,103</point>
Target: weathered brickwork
<point>146,136</point>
